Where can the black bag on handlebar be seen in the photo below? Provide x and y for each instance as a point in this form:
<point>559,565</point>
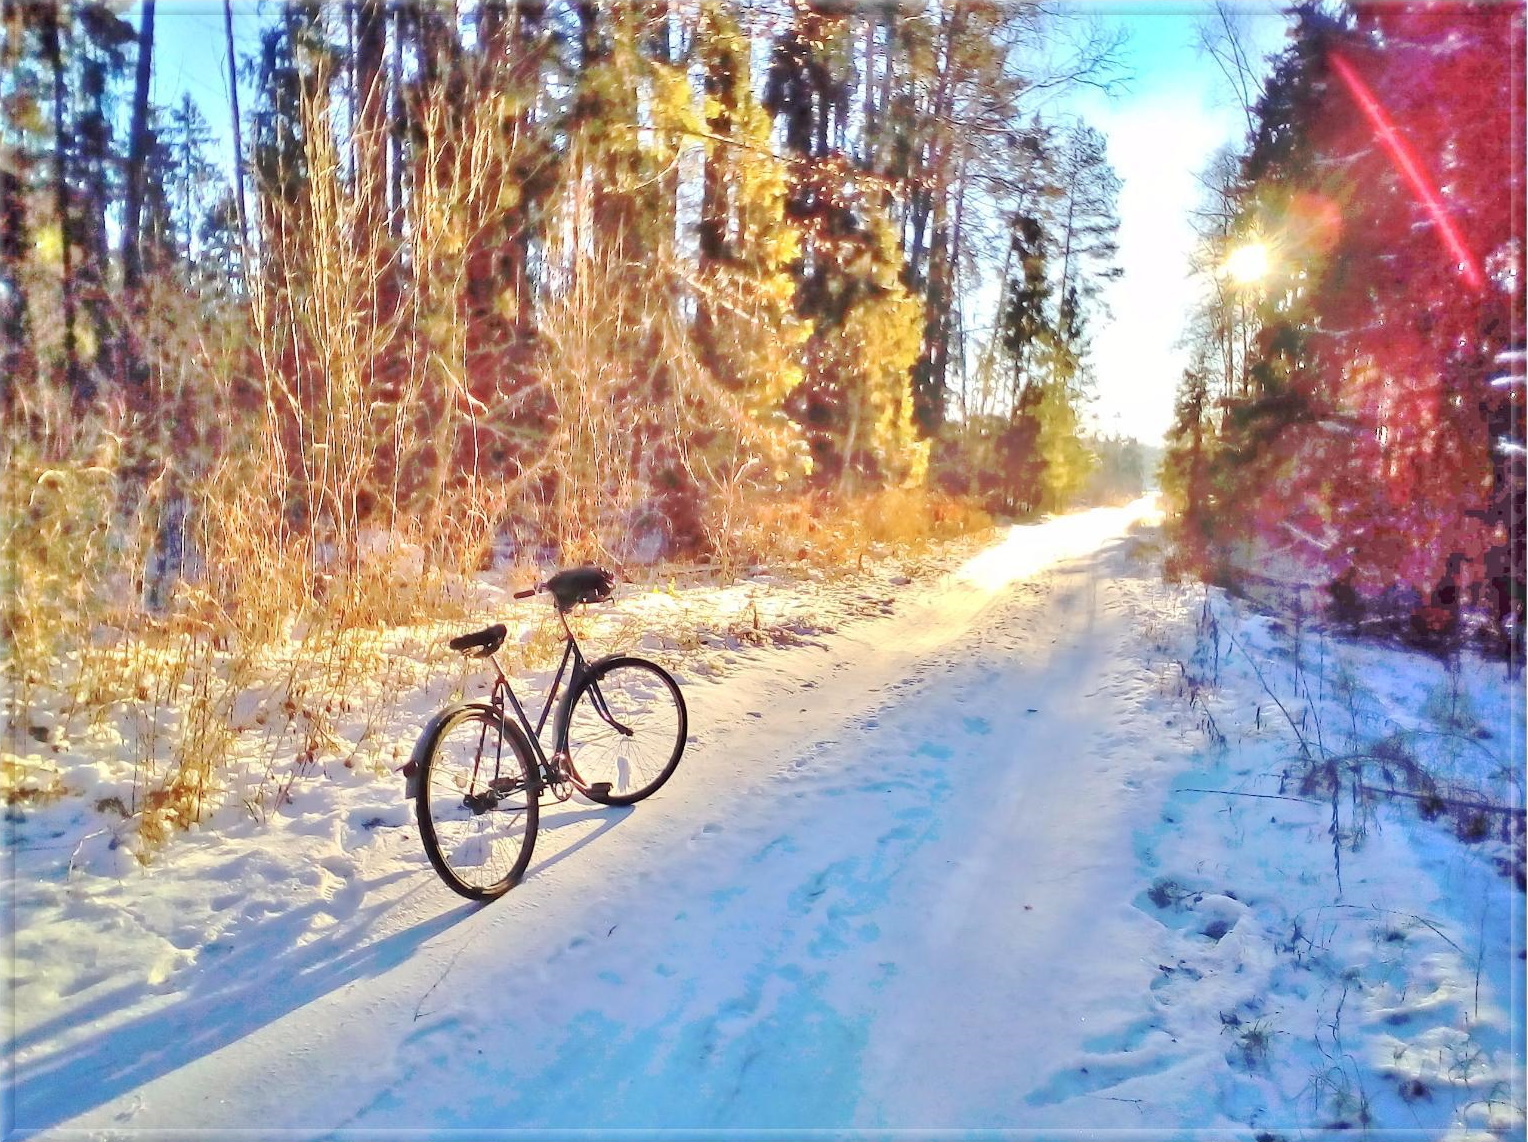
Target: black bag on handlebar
<point>580,585</point>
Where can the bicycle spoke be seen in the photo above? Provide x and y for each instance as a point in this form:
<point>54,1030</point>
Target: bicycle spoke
<point>476,813</point>
<point>626,730</point>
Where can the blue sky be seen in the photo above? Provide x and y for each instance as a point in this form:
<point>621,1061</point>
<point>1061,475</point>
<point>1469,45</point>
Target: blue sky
<point>190,53</point>
<point>1162,133</point>
<point>1162,130</point>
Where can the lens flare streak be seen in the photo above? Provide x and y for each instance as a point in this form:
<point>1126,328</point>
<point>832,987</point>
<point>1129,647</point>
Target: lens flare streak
<point>1411,168</point>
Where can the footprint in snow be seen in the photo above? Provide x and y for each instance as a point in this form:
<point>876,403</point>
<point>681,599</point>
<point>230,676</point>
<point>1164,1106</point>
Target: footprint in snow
<point>1170,979</point>
<point>782,843</point>
<point>371,817</point>
<point>1123,1040</point>
<point>1099,1073</point>
<point>707,831</point>
<point>342,867</point>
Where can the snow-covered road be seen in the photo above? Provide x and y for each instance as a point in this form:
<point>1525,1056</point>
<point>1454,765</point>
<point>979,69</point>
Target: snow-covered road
<point>896,885</point>
<point>883,862</point>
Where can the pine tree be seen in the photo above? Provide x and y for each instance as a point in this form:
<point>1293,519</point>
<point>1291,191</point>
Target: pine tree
<point>138,147</point>
<point>1085,219</point>
<point>855,405</point>
<point>197,183</point>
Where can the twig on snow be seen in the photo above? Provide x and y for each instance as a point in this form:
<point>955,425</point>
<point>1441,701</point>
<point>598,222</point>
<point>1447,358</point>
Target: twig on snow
<point>1261,796</point>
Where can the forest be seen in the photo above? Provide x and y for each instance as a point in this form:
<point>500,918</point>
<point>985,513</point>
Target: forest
<point>514,285</point>
<point>703,284</point>
<point>571,279</point>
<point>1353,413</point>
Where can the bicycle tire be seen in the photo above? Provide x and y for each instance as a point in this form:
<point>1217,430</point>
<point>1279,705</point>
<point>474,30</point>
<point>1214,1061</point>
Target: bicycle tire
<point>621,759</point>
<point>477,803</point>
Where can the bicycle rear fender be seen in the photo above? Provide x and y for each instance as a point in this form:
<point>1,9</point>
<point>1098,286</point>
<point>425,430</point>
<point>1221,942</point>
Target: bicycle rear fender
<point>427,740</point>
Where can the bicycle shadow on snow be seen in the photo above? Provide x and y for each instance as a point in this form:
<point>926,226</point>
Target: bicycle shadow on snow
<point>241,982</point>
<point>238,986</point>
<point>609,817</point>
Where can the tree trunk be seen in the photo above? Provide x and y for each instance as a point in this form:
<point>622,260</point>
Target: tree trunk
<point>137,153</point>
<point>721,80</point>
<point>928,176</point>
<point>80,387</point>
<point>528,17</point>
<point>932,365</point>
<point>238,139</point>
<point>586,104</point>
<point>659,40</point>
<point>92,195</point>
<point>493,16</point>
<point>399,128</point>
<point>1066,245</point>
<point>721,90</point>
<point>370,119</point>
<point>888,69</point>
<point>15,340</point>
<point>871,121</point>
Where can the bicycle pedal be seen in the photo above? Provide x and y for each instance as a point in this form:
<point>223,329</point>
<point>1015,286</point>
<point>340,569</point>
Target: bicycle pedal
<point>600,789</point>
<point>480,803</point>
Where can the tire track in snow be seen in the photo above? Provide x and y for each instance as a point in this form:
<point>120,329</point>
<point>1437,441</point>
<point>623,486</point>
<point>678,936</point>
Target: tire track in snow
<point>1041,885</point>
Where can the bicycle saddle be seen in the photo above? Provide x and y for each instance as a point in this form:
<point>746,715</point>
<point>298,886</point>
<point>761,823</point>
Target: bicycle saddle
<point>580,585</point>
<point>480,644</point>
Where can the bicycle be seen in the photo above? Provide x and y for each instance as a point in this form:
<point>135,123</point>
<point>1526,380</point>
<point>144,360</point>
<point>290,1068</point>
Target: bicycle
<point>477,775</point>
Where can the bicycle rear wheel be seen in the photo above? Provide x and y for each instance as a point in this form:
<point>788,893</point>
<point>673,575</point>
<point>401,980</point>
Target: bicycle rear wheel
<point>626,730</point>
<point>477,803</point>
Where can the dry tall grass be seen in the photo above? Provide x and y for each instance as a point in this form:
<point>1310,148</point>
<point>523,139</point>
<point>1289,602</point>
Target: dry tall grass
<point>830,532</point>
<point>241,680</point>
<point>203,580</point>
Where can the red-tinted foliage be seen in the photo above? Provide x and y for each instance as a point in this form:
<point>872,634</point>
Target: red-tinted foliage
<point>1409,218</point>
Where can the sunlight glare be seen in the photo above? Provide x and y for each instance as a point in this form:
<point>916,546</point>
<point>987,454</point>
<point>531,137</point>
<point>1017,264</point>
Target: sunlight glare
<point>1030,548</point>
<point>1247,264</point>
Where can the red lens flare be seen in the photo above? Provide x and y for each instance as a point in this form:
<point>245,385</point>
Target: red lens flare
<point>1406,162</point>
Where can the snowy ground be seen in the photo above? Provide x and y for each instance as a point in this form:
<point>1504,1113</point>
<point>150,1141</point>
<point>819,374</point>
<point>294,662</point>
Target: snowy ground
<point>1025,849</point>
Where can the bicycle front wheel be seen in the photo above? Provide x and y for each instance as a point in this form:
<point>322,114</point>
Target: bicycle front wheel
<point>626,730</point>
<point>477,804</point>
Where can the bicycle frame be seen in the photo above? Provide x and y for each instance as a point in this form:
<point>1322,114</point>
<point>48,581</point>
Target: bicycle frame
<point>575,666</point>
<point>572,657</point>
<point>549,767</point>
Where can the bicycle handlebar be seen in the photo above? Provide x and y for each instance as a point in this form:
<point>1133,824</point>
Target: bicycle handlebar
<point>575,585</point>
